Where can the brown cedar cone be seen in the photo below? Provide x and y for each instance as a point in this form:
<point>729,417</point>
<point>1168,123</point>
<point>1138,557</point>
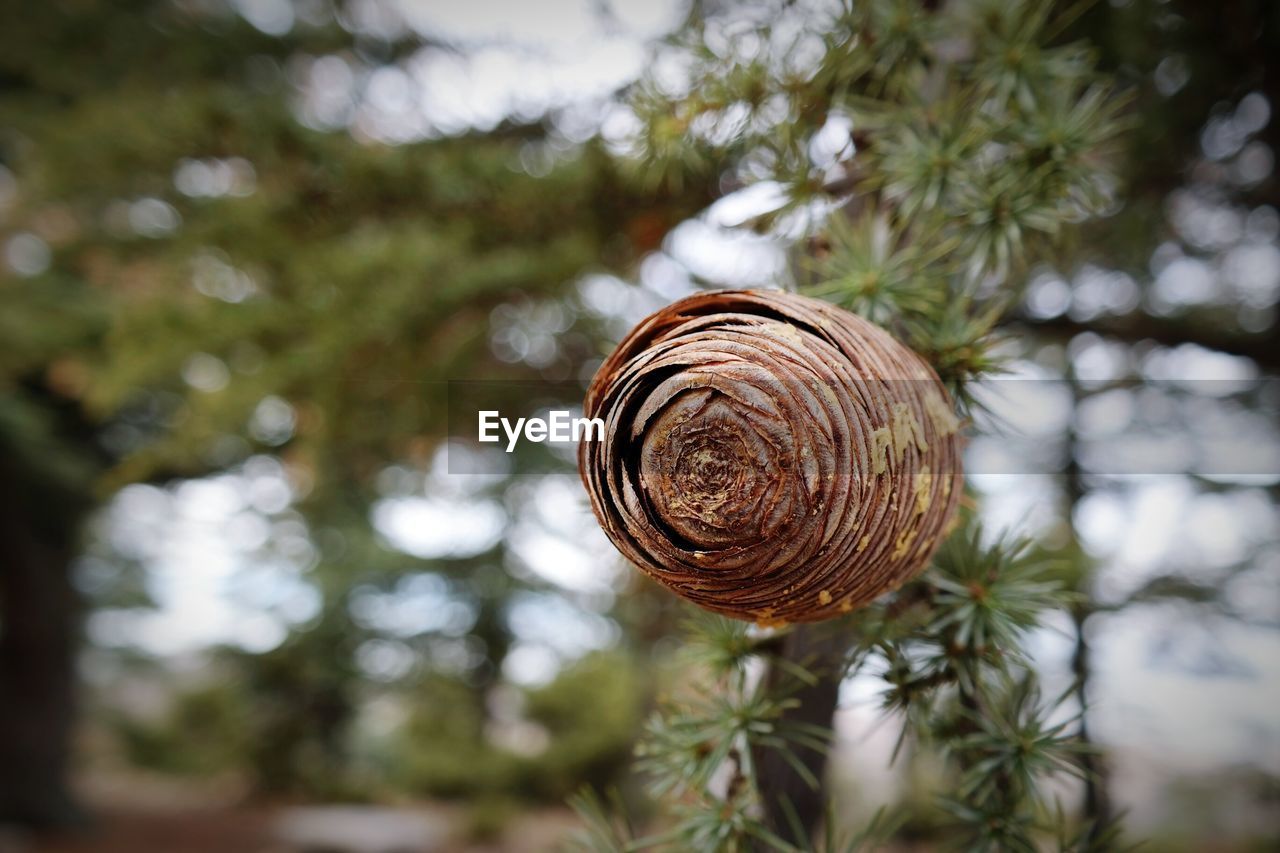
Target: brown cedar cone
<point>771,457</point>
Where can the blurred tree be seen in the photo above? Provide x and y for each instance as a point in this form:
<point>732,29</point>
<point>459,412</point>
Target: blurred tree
<point>578,729</point>
<point>206,732</point>
<point>1203,93</point>
<point>194,276</point>
<point>46,472</point>
<point>592,713</point>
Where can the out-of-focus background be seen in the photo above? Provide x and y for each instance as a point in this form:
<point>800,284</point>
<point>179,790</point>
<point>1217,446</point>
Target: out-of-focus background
<point>245,243</point>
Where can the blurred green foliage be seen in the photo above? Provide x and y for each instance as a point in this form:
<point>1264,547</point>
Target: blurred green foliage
<point>205,732</point>
<point>577,729</point>
<point>582,725</point>
<point>311,309</point>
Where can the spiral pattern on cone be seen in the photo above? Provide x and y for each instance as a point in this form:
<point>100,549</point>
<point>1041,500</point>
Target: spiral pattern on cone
<point>771,457</point>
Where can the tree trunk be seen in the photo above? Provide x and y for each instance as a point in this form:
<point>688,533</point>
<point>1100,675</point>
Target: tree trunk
<point>790,802</point>
<point>1097,799</point>
<point>1096,805</point>
<point>38,638</point>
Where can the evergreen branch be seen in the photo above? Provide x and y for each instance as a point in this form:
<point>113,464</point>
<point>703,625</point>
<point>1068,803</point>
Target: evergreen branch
<point>973,139</point>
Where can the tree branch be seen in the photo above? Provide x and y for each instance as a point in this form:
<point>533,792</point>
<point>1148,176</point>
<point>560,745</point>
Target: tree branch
<point>1263,349</point>
<point>790,802</point>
